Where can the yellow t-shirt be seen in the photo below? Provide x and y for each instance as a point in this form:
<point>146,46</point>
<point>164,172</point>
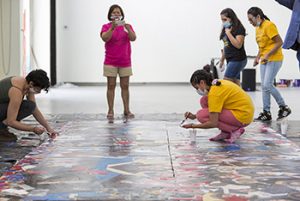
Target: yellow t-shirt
<point>264,34</point>
<point>231,97</point>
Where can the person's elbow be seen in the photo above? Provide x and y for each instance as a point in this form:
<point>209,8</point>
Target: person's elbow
<point>104,39</point>
<point>133,38</point>
<point>10,123</point>
<point>239,46</point>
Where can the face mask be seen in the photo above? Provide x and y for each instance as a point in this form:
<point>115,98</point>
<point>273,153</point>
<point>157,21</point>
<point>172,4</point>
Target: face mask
<point>257,24</point>
<point>31,90</point>
<point>201,92</point>
<point>114,17</point>
<point>227,25</point>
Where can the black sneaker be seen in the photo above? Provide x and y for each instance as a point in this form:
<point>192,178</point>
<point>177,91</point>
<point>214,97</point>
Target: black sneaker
<point>264,116</point>
<point>284,111</point>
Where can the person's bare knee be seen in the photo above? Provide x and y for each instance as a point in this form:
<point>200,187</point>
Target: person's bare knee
<point>124,83</point>
<point>111,83</point>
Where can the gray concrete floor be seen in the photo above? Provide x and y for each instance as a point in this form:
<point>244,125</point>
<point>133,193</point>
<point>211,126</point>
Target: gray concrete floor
<point>149,157</point>
<point>145,99</point>
<point>154,101</point>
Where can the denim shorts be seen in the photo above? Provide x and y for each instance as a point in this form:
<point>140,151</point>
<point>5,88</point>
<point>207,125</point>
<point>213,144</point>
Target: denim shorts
<point>234,68</point>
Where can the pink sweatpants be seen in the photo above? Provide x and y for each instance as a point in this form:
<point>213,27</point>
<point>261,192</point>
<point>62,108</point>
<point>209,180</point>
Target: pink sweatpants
<point>227,122</point>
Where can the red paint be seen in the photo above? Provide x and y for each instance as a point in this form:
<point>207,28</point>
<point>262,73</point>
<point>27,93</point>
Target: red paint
<point>98,172</point>
<point>36,172</point>
<point>124,142</point>
<point>235,198</point>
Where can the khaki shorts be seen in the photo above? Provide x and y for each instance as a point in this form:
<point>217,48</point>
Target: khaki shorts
<point>113,71</point>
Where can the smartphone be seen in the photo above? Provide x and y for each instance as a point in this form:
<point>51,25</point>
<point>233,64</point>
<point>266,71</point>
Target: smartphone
<point>120,22</point>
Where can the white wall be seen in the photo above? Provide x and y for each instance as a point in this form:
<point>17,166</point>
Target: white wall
<point>40,34</point>
<point>174,37</point>
<point>10,33</point>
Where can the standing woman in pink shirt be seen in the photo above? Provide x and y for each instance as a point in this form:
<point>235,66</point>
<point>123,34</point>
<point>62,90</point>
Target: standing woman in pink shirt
<point>117,35</point>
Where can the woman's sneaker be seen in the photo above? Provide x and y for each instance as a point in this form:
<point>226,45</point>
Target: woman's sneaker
<point>264,116</point>
<point>283,112</point>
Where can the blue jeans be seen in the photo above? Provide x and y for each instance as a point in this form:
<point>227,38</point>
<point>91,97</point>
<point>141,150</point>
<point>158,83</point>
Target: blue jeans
<point>268,73</point>
<point>234,68</point>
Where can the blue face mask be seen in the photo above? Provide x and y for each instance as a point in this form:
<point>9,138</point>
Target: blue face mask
<point>201,92</point>
<point>227,25</point>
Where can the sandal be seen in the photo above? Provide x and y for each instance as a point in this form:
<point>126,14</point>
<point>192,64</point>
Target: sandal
<point>110,117</point>
<point>129,115</point>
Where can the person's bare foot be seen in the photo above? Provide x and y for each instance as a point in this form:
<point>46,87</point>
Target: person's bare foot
<point>223,135</point>
<point>129,115</point>
<point>235,135</point>
<point>110,117</point>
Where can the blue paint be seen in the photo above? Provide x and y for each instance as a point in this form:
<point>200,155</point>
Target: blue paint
<point>262,147</point>
<point>104,162</point>
<point>15,177</point>
<point>229,147</point>
<point>66,196</point>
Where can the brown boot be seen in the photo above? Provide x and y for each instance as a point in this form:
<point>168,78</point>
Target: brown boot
<point>6,136</point>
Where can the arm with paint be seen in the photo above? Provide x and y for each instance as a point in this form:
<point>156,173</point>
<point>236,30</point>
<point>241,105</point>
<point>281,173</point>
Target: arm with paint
<point>211,123</point>
<point>40,118</point>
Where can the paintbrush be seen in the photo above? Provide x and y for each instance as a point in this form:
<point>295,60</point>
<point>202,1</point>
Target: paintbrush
<point>184,119</point>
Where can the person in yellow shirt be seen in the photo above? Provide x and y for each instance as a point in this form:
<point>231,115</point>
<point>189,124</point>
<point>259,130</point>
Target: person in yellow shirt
<point>224,105</point>
<point>270,58</point>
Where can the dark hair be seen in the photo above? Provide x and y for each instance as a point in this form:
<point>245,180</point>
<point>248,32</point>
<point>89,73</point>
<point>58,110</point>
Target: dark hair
<point>39,78</point>
<point>111,9</point>
<point>255,11</point>
<point>207,68</point>
<point>199,75</point>
<point>236,23</point>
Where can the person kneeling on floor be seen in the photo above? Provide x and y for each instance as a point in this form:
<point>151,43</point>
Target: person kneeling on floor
<point>13,108</point>
<point>224,105</point>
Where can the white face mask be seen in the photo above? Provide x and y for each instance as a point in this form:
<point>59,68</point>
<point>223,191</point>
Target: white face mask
<point>257,24</point>
<point>31,90</point>
<point>115,17</point>
<point>201,92</point>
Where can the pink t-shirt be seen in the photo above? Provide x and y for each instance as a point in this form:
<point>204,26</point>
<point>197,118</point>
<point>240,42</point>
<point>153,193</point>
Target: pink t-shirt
<point>117,49</point>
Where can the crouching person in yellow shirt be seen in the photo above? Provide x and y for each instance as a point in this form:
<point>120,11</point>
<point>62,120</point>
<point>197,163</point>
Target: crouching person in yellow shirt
<point>224,105</point>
